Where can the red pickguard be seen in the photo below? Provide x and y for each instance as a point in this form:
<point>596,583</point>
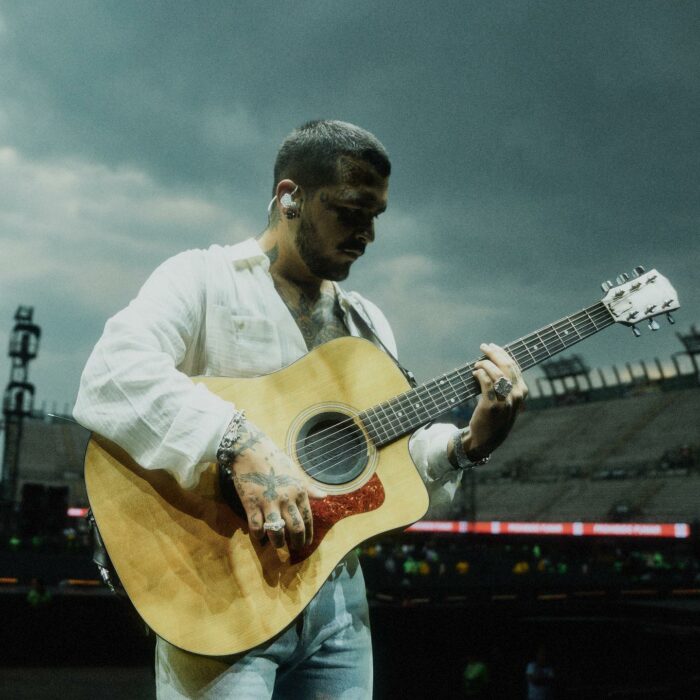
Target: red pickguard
<point>331,509</point>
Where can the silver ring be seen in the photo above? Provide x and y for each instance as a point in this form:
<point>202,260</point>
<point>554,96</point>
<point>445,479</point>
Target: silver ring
<point>274,525</point>
<point>502,388</point>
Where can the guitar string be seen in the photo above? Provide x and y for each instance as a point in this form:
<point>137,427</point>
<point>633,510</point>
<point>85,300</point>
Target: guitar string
<point>544,336</point>
<point>340,427</point>
<point>518,354</point>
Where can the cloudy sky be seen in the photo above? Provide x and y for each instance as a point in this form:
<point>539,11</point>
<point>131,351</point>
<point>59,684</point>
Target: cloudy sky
<point>539,148</point>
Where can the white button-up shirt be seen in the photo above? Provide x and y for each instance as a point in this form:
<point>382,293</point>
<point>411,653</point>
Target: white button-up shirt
<point>212,312</point>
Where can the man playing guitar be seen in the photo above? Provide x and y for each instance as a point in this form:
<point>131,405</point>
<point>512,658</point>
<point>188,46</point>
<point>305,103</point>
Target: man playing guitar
<point>245,311</point>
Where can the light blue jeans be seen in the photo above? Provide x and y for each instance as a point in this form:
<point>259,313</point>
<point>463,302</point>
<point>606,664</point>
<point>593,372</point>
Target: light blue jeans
<point>325,653</point>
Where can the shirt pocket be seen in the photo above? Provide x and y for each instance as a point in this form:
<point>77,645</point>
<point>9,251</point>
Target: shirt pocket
<point>241,346</point>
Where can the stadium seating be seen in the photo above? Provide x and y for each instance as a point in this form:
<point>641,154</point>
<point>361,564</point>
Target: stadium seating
<point>578,462</point>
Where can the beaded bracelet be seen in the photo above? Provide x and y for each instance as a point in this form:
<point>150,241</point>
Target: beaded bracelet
<point>463,462</point>
<point>226,454</point>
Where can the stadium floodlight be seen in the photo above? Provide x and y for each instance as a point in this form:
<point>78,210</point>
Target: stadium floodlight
<point>566,368</point>
<point>18,399</point>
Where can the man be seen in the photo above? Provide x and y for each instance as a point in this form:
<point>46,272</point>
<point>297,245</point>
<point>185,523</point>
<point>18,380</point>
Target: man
<point>247,310</point>
<point>540,677</point>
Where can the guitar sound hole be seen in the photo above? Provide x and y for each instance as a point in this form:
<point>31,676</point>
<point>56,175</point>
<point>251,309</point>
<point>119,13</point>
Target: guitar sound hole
<point>331,448</point>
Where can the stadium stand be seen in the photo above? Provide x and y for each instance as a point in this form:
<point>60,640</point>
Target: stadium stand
<point>624,457</point>
<point>676,500</point>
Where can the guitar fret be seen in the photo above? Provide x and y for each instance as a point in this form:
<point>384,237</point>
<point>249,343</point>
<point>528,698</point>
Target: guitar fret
<point>584,323</point>
<point>573,324</point>
<point>388,423</point>
<point>398,421</point>
<point>401,399</point>
<point>375,434</point>
<point>425,408</point>
<point>549,354</point>
<point>566,327</point>
<point>471,385</point>
<point>405,405</point>
<point>554,328</point>
<point>438,395</point>
<point>430,390</point>
<point>449,401</point>
<point>529,352</point>
<point>512,355</point>
<point>455,400</point>
<point>595,325</point>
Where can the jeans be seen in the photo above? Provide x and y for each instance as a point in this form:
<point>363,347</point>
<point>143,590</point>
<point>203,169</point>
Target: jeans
<point>325,653</point>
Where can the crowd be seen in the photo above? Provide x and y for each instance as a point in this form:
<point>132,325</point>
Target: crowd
<point>454,563</point>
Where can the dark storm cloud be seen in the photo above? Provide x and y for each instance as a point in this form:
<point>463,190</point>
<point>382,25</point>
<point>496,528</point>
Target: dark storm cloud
<point>538,147</point>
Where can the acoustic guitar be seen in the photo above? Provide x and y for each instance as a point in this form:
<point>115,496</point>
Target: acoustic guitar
<point>345,414</point>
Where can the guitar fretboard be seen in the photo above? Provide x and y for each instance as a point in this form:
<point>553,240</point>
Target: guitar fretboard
<point>408,411</point>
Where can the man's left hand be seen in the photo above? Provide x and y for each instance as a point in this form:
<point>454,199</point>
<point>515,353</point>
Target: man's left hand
<point>494,414</point>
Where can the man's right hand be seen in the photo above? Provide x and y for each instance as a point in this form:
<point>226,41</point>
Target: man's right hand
<point>271,487</point>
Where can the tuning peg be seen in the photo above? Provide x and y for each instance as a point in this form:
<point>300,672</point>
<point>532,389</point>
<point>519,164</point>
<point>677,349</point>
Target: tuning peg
<point>621,279</point>
<point>670,318</point>
<point>653,325</point>
<point>639,270</point>
<point>605,286</point>
<point>636,331</point>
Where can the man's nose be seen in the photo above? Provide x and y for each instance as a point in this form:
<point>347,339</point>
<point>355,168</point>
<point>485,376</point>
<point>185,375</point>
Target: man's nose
<point>367,235</point>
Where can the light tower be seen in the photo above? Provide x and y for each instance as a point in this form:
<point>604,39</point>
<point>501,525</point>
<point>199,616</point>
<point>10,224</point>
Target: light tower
<point>18,400</point>
<point>567,368</point>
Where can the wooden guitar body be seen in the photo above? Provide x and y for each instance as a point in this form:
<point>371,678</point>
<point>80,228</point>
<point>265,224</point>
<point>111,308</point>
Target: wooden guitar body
<point>185,558</point>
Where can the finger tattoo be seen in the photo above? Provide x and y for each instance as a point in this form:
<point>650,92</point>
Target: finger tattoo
<point>294,515</point>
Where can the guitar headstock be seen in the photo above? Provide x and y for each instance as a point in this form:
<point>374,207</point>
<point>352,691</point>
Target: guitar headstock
<point>644,295</point>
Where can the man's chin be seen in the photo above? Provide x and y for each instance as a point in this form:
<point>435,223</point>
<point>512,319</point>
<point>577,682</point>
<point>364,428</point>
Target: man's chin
<point>339,273</point>
<point>334,272</point>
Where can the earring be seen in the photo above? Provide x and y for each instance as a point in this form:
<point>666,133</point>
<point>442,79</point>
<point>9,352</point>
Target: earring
<point>291,208</point>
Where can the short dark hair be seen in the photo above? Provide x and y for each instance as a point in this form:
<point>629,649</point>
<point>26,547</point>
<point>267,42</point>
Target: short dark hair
<point>309,155</point>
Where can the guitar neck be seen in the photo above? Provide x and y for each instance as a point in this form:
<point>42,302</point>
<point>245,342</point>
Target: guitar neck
<point>405,413</point>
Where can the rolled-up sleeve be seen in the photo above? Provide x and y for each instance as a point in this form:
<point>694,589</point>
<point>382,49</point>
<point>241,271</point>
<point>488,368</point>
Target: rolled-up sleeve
<point>428,447</point>
<point>132,389</point>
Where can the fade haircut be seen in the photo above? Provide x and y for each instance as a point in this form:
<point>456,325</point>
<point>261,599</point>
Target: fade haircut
<point>309,155</point>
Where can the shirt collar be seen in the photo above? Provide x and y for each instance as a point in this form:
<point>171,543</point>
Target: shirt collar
<point>342,296</point>
<point>248,252</point>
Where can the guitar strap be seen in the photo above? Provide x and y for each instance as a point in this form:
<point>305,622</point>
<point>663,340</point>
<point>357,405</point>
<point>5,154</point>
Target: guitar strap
<point>101,559</point>
<point>362,321</point>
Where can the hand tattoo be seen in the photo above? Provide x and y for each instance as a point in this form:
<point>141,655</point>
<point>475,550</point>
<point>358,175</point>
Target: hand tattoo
<point>248,438</point>
<point>270,481</point>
